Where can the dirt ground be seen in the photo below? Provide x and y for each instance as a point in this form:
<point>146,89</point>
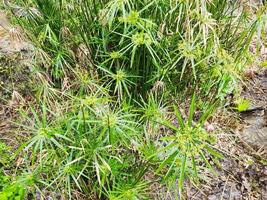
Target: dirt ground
<point>14,77</point>
<point>242,138</point>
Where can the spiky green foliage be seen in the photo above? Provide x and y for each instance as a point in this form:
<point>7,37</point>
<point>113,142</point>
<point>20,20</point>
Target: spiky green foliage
<point>134,44</point>
<point>107,75</point>
<point>187,146</point>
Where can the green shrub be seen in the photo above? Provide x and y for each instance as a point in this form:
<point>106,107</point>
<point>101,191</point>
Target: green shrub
<point>107,75</point>
<point>134,44</point>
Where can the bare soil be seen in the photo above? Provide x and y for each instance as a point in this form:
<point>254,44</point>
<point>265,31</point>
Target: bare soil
<point>14,77</point>
<point>254,131</point>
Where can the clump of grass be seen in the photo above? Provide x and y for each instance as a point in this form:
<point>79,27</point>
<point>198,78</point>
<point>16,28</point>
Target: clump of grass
<point>242,104</point>
<point>186,147</point>
<point>109,73</point>
<point>146,41</point>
